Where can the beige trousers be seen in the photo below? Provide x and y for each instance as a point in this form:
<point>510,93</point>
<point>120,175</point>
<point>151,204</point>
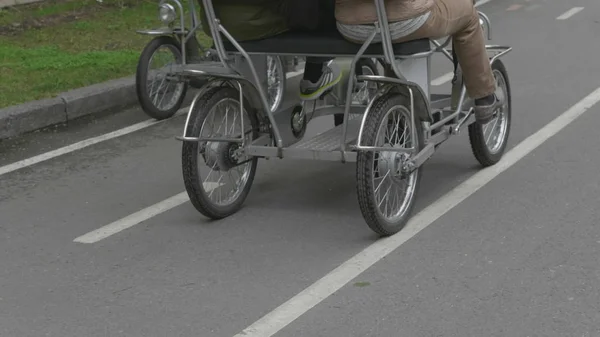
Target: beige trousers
<point>459,19</point>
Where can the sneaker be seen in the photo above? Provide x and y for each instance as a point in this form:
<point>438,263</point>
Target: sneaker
<point>330,77</point>
<point>485,113</point>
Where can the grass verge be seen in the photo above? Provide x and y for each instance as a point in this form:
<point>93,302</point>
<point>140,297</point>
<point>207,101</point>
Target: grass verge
<point>57,45</point>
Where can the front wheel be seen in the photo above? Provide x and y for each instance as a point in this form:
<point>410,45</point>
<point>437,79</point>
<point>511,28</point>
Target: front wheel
<point>217,175</point>
<point>386,191</point>
<point>488,141</point>
<point>159,91</point>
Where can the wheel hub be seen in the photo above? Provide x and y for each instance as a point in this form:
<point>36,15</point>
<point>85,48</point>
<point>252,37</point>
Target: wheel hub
<point>221,156</point>
<point>393,162</point>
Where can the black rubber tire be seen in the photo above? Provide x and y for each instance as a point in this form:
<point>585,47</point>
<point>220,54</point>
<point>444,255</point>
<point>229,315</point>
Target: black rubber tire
<point>190,155</point>
<point>338,119</point>
<point>476,136</point>
<point>281,68</point>
<point>141,78</point>
<point>364,167</point>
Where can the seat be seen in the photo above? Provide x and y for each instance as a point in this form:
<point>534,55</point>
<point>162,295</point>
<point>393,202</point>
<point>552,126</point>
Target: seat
<point>323,44</point>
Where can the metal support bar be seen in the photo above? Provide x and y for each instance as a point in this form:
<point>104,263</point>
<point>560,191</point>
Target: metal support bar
<point>210,139</point>
<point>486,20</point>
<point>350,88</point>
<point>259,88</point>
<point>421,157</point>
<point>182,23</point>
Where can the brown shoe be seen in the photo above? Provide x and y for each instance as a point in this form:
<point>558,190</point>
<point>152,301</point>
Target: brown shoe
<point>485,113</point>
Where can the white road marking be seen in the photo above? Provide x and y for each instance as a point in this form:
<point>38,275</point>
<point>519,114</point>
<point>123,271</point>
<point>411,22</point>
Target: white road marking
<point>94,140</point>
<point>570,13</point>
<point>482,2</point>
<point>80,145</point>
<point>442,79</point>
<point>533,7</point>
<point>296,73</point>
<point>295,307</point>
<point>514,7</point>
<point>140,216</point>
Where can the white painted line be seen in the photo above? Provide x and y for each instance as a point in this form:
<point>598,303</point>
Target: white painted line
<point>482,2</point>
<point>569,13</point>
<point>286,313</point>
<point>94,140</point>
<point>442,79</point>
<point>296,73</point>
<point>140,216</point>
<point>80,145</point>
<point>533,7</point>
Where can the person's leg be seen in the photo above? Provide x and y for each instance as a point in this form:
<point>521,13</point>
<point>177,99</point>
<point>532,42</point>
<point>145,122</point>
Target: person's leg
<point>459,19</point>
<point>318,77</point>
<point>468,41</point>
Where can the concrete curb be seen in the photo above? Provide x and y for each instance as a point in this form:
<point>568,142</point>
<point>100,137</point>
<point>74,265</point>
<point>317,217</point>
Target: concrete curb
<point>31,116</point>
<point>10,3</point>
<point>114,95</point>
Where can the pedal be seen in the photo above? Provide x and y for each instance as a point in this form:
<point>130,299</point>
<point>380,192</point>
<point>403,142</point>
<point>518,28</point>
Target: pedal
<point>461,122</point>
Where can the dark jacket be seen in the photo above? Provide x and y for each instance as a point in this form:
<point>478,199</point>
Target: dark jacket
<point>258,19</point>
<point>248,19</point>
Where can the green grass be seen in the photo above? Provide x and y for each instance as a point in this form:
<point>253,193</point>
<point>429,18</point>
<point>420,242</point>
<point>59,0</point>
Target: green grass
<point>49,71</point>
<point>76,43</point>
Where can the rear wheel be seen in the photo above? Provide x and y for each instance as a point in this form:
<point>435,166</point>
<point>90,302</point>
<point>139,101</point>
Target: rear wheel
<point>488,141</point>
<point>387,192</point>
<point>217,175</point>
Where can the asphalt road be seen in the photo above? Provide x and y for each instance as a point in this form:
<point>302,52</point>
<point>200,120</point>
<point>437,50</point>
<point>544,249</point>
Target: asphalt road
<point>516,258</point>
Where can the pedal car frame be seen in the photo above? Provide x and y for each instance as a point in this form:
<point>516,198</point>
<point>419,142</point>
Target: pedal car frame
<point>431,119</point>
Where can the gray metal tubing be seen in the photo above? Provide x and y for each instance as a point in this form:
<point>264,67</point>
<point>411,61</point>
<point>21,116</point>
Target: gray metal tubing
<point>486,19</point>
<point>452,116</point>
<point>239,85</point>
<point>379,78</point>
<point>216,28</point>
<point>195,20</point>
<point>461,122</point>
<point>182,22</point>
<point>192,31</point>
<point>187,119</point>
<point>384,30</point>
<point>406,83</point>
<point>386,36</point>
<point>380,92</point>
<point>211,139</point>
<point>261,93</point>
<point>409,150</point>
<point>461,101</point>
<point>201,92</point>
<point>441,48</point>
<point>335,109</point>
<point>500,54</point>
<point>463,91</point>
<point>350,88</point>
<point>214,31</point>
<point>413,134</point>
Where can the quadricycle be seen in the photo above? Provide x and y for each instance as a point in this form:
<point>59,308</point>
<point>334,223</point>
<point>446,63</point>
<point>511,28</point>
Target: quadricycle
<point>388,131</point>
